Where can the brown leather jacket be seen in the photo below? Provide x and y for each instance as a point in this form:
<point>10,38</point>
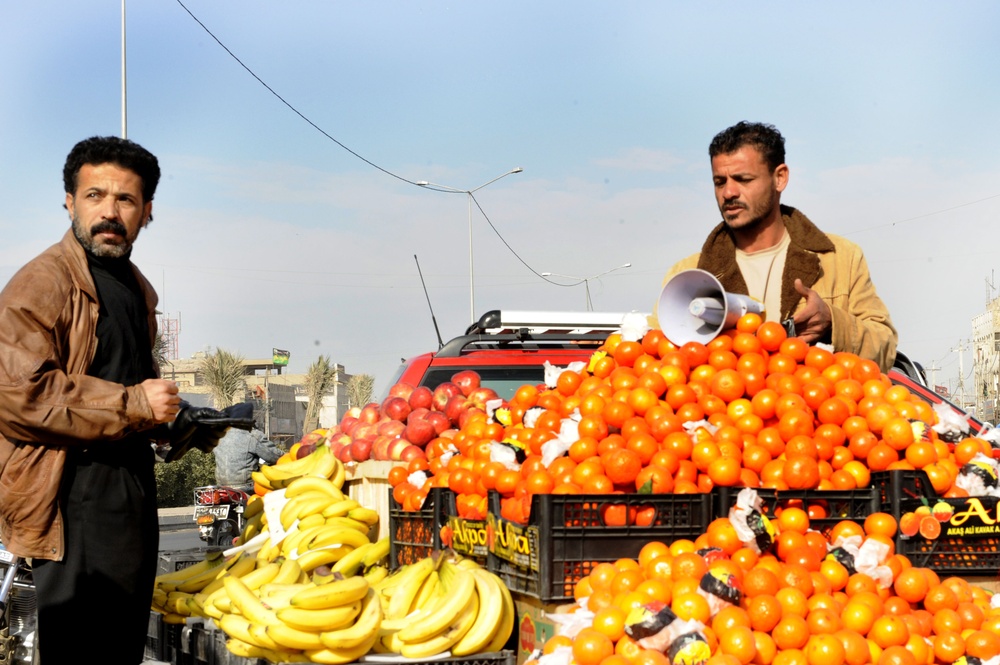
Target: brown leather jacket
<point>48,323</point>
<point>832,266</point>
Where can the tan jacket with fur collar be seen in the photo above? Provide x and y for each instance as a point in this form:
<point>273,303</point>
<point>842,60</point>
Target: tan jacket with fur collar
<point>832,266</point>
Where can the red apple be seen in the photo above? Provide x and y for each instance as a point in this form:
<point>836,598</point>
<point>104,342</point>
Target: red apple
<point>346,422</point>
<point>406,453</point>
<point>419,431</point>
<point>396,408</point>
<point>397,447</point>
<point>439,421</point>
<point>342,439</point>
<point>467,380</point>
<point>401,389</point>
<point>421,397</point>
<point>470,411</point>
<point>481,395</point>
<point>443,393</point>
<point>370,413</point>
<point>391,428</point>
<point>361,449</point>
<point>345,454</point>
<point>304,449</point>
<point>381,445</point>
<point>453,409</point>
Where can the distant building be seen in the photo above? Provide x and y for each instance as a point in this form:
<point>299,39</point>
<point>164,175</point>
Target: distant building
<point>281,398</point>
<point>986,361</point>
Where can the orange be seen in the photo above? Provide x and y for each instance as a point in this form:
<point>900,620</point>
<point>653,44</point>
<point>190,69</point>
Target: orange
<point>610,621</point>
<point>889,631</point>
<point>982,644</point>
<point>764,612</point>
<point>691,606</point>
<point>791,632</point>
<point>590,647</point>
<point>949,646</point>
<point>880,524</point>
<point>859,617</point>
<point>856,650</point>
<point>760,581</point>
<point>897,655</point>
<point>911,585</point>
<point>739,642</point>
<point>622,466</point>
<point>824,650</point>
<point>688,565</point>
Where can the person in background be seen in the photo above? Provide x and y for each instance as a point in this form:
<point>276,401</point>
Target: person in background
<point>79,398</point>
<point>814,282</point>
<point>238,455</point>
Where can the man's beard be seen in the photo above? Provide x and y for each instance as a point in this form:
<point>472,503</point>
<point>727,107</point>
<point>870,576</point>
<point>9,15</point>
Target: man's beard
<point>757,214</point>
<point>86,238</point>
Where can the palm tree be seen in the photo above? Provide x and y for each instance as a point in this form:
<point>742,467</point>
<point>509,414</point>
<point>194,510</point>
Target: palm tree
<point>224,374</point>
<point>360,389</point>
<point>320,381</point>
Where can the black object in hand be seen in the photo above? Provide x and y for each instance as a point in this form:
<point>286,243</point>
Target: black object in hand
<point>201,427</point>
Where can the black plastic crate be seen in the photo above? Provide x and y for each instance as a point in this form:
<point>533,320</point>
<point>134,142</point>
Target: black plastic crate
<point>156,639</point>
<point>414,534</point>
<point>854,505</point>
<point>174,560</point>
<point>567,536</point>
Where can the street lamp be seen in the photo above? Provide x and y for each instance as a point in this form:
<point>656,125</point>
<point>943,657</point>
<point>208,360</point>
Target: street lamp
<point>586,280</point>
<point>453,190</point>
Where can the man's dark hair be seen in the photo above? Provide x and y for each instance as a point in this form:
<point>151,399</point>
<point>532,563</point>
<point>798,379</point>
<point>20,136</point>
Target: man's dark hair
<point>113,150</point>
<point>765,138</point>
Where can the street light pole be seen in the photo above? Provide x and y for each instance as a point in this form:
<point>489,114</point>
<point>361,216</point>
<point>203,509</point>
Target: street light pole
<point>468,192</point>
<point>586,281</point>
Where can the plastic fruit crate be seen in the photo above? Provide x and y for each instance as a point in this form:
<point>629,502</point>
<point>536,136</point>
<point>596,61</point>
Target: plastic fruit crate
<point>838,505</point>
<point>414,534</point>
<point>569,534</point>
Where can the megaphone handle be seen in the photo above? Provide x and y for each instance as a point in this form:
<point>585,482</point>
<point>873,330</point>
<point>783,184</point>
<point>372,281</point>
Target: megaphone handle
<point>710,310</point>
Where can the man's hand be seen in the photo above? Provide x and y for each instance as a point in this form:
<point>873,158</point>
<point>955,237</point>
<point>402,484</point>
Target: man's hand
<point>163,399</point>
<point>813,320</point>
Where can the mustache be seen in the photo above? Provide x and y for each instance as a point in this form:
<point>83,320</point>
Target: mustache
<point>734,202</point>
<point>108,226</point>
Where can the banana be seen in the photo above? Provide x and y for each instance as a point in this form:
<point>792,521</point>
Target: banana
<point>364,630</point>
<point>200,581</point>
<point>171,581</point>
<point>288,573</point>
<point>177,603</point>
<point>261,575</point>
<point>339,592</point>
<point>310,521</point>
<point>249,604</point>
<point>313,559</point>
<point>304,484</point>
<point>254,507</point>
<point>301,506</point>
<point>326,466</point>
<point>427,592</point>
<point>172,618</point>
<point>443,641</point>
<point>340,508</point>
<point>243,649</point>
<point>482,631</point>
<point>262,480</point>
<point>297,536</point>
<point>267,548</point>
<point>378,552</point>
<point>244,564</point>
<point>236,626</point>
<point>376,574</point>
<point>507,619</point>
<point>456,587</point>
<point>362,514</point>
<point>286,472</point>
<point>252,527</point>
<point>346,522</point>
<point>339,475</point>
<point>409,580</point>
<point>351,563</point>
<point>293,638</point>
<point>332,618</point>
<point>331,657</point>
<point>335,535</point>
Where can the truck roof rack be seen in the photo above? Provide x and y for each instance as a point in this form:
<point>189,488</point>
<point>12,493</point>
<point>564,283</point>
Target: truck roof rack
<point>509,321</point>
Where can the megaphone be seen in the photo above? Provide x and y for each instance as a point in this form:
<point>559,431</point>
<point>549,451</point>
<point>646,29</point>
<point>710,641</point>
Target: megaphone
<point>693,307</point>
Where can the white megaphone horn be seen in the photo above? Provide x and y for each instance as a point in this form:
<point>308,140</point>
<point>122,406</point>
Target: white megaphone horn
<point>693,307</point>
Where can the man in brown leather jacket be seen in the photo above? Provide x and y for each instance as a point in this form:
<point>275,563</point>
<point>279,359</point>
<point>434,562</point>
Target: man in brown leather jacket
<point>79,394</point>
<point>774,253</point>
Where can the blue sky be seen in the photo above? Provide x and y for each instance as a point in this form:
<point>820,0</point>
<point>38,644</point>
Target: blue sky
<point>268,233</point>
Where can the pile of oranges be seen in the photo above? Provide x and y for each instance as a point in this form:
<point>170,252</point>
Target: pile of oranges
<point>799,606</point>
<point>774,413</point>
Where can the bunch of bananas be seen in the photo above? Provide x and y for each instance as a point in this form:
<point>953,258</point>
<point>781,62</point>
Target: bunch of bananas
<point>321,463</point>
<point>443,603</point>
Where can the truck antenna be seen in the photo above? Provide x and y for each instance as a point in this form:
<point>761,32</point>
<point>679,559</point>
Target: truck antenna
<point>433,320</point>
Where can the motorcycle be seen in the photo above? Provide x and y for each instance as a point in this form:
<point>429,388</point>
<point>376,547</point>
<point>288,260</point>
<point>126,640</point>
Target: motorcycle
<point>18,611</point>
<point>218,512</point>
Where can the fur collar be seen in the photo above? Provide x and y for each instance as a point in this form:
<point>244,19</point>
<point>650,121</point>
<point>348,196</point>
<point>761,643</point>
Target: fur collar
<point>718,256</point>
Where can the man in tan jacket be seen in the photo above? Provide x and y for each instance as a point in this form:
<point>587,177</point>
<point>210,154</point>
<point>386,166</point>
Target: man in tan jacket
<point>79,394</point>
<point>816,281</point>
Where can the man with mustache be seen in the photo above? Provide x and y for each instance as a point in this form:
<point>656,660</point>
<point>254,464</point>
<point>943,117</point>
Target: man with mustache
<point>817,282</point>
<point>79,398</point>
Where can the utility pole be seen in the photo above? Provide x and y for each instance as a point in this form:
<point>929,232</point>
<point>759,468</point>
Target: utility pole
<point>933,369</point>
<point>960,390</point>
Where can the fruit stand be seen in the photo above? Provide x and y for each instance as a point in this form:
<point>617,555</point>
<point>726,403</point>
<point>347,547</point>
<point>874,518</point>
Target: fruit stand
<point>749,500</point>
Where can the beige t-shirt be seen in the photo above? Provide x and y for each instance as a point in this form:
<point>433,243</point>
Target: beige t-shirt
<point>762,272</point>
